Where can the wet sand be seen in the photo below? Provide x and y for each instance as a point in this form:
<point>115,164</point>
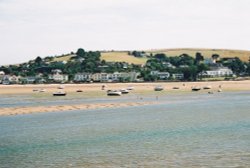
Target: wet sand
<point>59,108</point>
<point>95,90</point>
<point>140,87</point>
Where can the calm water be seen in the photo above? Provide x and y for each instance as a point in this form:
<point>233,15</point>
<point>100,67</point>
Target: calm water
<point>193,130</point>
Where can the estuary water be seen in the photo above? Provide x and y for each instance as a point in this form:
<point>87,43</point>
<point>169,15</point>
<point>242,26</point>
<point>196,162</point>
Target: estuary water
<point>189,130</point>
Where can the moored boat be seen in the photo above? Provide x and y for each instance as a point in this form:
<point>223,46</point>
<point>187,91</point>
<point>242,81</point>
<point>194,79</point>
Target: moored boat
<point>59,93</point>
<point>114,93</point>
<point>130,88</point>
<point>158,88</point>
<point>207,87</point>
<point>196,88</point>
<point>124,91</point>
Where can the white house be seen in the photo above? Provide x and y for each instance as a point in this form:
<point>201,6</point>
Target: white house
<point>7,79</point>
<point>106,77</point>
<point>57,76</point>
<point>160,75</point>
<point>218,72</point>
<point>178,76</point>
<point>82,77</point>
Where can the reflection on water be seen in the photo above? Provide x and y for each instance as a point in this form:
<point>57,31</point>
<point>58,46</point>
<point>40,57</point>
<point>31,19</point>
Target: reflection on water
<point>193,130</point>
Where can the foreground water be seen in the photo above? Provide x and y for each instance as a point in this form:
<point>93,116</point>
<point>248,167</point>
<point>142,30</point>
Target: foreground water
<point>193,130</point>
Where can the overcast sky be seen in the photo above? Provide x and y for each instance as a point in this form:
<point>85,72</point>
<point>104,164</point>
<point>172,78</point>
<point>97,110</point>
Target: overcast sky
<point>31,28</point>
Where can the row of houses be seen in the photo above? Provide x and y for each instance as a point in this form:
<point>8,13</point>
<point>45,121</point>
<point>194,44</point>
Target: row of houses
<point>58,77</point>
<point>107,77</point>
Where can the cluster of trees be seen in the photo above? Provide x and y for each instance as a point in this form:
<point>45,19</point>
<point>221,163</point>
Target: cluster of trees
<point>91,62</point>
<point>190,67</point>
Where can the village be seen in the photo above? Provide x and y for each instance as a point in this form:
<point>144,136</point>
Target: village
<point>57,76</point>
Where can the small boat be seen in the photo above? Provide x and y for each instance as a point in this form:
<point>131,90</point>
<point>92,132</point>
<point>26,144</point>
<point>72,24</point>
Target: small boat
<point>219,90</point>
<point>175,87</point>
<point>196,88</point>
<point>60,87</point>
<point>210,92</point>
<point>59,93</point>
<point>79,90</point>
<point>114,93</point>
<point>130,88</point>
<point>35,90</point>
<point>124,91</point>
<point>42,90</point>
<point>158,88</point>
<point>207,87</point>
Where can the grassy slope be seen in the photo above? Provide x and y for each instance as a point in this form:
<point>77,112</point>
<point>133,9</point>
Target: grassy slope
<point>122,56</point>
<point>207,53</point>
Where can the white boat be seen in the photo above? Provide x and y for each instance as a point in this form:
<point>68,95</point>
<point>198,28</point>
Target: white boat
<point>42,90</point>
<point>124,91</point>
<point>130,88</point>
<point>158,88</point>
<point>114,93</point>
<point>59,93</point>
<point>60,87</point>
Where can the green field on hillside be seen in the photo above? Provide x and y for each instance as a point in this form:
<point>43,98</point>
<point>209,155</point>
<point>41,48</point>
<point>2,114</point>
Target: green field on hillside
<point>122,56</point>
<point>207,53</point>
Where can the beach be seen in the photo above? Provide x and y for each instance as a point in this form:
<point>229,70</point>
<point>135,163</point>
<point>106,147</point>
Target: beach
<point>96,87</point>
<point>94,90</point>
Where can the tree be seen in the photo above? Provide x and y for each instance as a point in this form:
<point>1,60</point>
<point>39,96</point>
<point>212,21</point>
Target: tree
<point>80,52</point>
<point>215,57</point>
<point>198,58</point>
<point>162,57</point>
<point>38,60</point>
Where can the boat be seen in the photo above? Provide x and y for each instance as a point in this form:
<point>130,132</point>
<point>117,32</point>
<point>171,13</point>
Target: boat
<point>42,90</point>
<point>175,87</point>
<point>219,90</point>
<point>130,88</point>
<point>207,87</point>
<point>79,90</point>
<point>196,88</point>
<point>210,92</point>
<point>60,87</point>
<point>158,88</point>
<point>59,93</point>
<point>124,91</point>
<point>114,93</point>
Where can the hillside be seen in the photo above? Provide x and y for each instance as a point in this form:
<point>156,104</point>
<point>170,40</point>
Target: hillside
<point>122,56</point>
<point>243,55</point>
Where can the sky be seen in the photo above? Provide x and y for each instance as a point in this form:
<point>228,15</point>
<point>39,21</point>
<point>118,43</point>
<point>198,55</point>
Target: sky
<point>31,28</point>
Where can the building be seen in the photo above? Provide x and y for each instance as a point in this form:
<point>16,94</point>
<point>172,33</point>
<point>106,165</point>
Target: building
<point>106,77</point>
<point>178,76</point>
<point>160,75</point>
<point>218,72</point>
<point>56,76</point>
<point>8,79</point>
<point>61,78</point>
<point>1,76</point>
<point>82,77</point>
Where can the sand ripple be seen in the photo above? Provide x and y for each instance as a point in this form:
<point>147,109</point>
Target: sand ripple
<point>59,108</point>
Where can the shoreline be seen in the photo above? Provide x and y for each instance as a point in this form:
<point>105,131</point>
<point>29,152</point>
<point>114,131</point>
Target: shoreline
<point>140,87</point>
<point>94,90</point>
